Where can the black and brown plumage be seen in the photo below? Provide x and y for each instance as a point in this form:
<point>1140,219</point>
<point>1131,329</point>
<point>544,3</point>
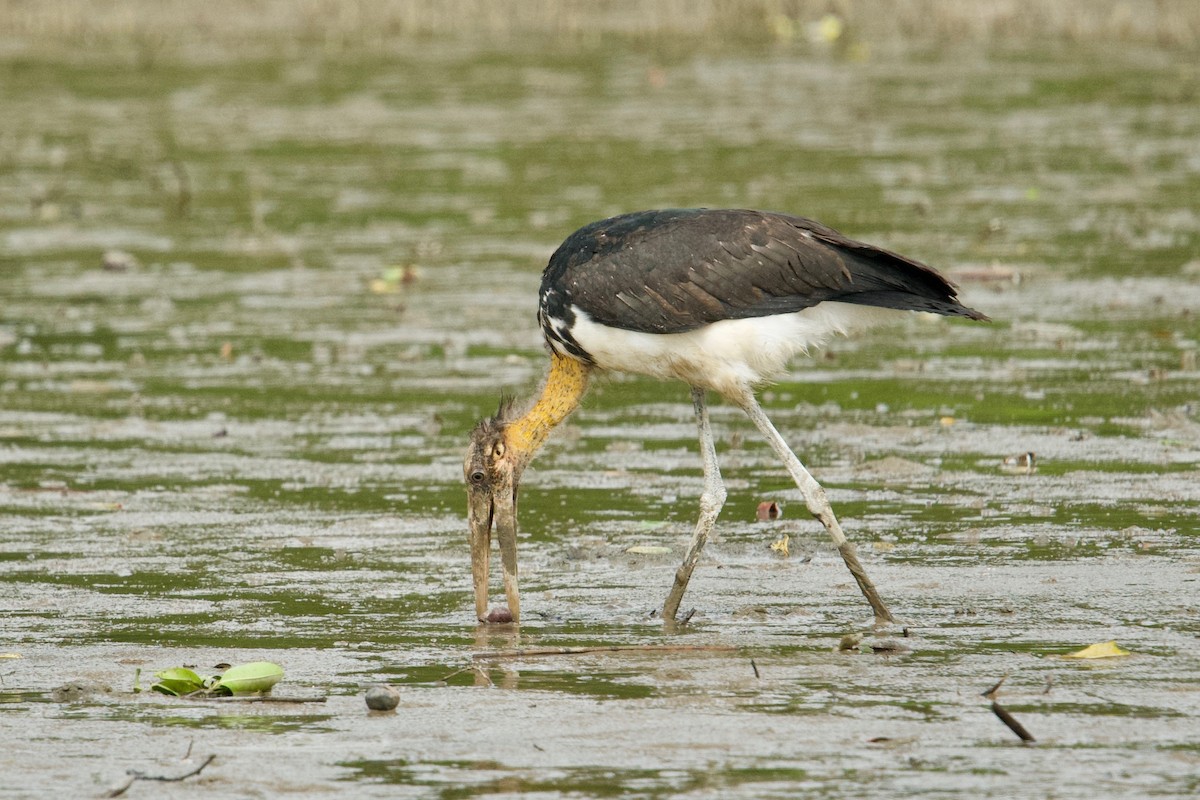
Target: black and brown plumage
<point>718,299</point>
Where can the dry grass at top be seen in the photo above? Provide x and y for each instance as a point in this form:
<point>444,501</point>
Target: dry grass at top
<point>213,27</point>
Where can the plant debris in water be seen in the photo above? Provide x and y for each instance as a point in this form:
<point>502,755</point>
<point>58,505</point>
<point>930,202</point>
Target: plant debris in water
<point>1099,650</point>
<point>253,678</point>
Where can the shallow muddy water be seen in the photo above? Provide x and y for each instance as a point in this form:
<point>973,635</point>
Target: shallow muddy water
<point>238,435</point>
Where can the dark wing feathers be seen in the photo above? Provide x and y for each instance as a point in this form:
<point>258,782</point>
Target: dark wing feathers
<point>676,270</point>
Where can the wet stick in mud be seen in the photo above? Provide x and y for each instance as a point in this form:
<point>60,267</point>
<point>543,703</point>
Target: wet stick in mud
<point>137,775</point>
<point>1003,714</point>
<point>1014,726</point>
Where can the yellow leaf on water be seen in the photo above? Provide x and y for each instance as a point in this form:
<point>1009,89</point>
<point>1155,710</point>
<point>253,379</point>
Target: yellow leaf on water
<point>1099,650</point>
<point>781,546</point>
<point>828,29</point>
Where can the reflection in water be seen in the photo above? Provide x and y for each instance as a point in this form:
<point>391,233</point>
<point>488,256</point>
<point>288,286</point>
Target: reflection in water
<point>499,672</point>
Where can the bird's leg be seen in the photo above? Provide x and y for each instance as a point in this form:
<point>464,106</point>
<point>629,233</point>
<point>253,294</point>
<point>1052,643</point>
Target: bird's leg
<point>711,501</point>
<point>818,504</point>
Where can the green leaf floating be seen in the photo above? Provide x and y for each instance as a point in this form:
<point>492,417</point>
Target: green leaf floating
<point>258,676</point>
<point>177,681</point>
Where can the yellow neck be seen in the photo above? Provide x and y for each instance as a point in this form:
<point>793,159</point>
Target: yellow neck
<point>565,384</point>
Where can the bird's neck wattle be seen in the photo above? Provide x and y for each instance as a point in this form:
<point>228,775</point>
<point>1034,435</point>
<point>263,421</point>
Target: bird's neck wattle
<point>564,387</point>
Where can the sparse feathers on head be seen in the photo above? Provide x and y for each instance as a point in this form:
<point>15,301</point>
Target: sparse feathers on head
<point>491,427</point>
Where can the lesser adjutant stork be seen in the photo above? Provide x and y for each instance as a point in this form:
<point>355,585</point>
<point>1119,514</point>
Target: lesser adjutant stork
<point>718,299</point>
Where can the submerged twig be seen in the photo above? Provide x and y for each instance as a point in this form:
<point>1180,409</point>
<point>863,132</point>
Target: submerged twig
<point>141,776</point>
<point>137,775</point>
<point>259,698</point>
<point>990,694</point>
<point>1012,723</point>
<point>469,668</point>
<point>754,667</point>
<point>613,648</point>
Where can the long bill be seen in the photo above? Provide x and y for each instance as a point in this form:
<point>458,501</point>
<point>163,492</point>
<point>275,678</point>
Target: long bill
<point>495,504</point>
<point>479,512</point>
<point>505,513</point>
<point>497,507</point>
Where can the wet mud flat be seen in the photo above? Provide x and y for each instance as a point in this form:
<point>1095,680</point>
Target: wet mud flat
<point>784,712</point>
<point>245,443</point>
<point>147,543</point>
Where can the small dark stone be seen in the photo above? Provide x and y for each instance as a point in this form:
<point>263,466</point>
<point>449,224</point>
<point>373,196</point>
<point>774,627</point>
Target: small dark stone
<point>382,697</point>
<point>499,614</point>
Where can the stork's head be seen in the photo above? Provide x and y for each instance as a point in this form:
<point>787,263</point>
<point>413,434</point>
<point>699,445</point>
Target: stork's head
<point>492,469</point>
<point>500,448</point>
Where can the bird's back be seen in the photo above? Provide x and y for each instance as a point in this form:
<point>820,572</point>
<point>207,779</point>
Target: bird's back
<point>676,270</point>
<point>721,299</point>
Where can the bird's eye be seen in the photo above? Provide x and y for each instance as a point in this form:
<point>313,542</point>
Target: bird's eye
<point>477,476</point>
<point>498,450</point>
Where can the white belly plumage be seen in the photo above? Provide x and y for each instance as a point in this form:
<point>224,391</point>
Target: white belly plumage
<point>729,356</point>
